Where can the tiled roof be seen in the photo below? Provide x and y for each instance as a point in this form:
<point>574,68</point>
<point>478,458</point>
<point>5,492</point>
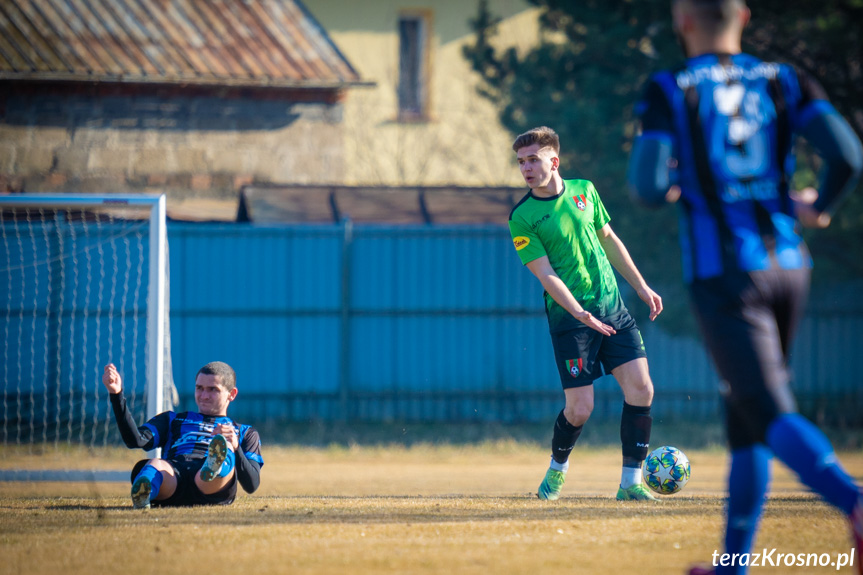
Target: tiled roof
<point>378,205</point>
<point>223,42</point>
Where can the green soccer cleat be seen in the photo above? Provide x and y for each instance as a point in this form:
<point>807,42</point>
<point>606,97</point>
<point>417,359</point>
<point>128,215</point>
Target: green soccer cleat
<point>217,452</point>
<point>637,492</point>
<point>549,489</point>
<point>141,493</point>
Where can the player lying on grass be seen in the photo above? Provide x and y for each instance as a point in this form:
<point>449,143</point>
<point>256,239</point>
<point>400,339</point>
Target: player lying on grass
<point>205,453</point>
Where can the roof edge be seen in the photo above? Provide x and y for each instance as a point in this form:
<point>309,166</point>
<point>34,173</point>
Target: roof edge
<point>209,82</point>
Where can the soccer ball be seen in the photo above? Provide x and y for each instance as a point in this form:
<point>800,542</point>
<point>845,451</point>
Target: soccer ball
<point>666,470</point>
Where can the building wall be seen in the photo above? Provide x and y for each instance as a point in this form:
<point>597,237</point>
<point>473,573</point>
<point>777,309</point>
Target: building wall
<point>462,142</point>
<point>148,139</point>
<point>140,140</point>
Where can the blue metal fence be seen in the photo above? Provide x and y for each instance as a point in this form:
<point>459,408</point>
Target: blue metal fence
<point>341,322</point>
<point>419,324</point>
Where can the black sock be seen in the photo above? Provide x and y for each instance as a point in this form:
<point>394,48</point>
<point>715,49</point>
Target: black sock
<point>564,438</point>
<point>635,423</point>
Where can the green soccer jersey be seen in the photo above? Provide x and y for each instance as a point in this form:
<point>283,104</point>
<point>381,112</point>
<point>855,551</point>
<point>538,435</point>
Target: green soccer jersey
<point>563,228</point>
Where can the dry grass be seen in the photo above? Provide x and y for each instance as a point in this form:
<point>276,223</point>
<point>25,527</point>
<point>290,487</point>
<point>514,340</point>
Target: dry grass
<point>468,510</point>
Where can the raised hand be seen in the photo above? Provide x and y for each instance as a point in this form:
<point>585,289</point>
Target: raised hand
<point>111,379</point>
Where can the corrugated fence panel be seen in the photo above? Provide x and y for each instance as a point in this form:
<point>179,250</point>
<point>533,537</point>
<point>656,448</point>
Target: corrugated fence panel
<point>265,300</point>
<point>442,325</point>
<point>452,269</point>
<point>249,269</point>
<point>436,324</point>
<point>685,383</point>
<point>823,360</point>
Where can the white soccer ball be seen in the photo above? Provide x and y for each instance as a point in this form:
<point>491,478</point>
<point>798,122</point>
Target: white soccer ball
<point>666,470</point>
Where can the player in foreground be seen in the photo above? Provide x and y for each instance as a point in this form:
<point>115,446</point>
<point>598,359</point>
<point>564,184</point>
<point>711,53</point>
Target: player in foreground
<point>718,134</point>
<point>561,233</point>
<point>205,453</point>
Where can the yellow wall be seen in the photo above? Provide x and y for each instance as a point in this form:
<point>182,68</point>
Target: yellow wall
<point>463,142</point>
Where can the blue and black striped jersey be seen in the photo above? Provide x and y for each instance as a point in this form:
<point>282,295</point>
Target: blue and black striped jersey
<point>187,435</point>
<point>730,123</point>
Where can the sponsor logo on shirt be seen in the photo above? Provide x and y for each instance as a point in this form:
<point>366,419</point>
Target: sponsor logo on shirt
<point>520,242</point>
<point>539,221</point>
<point>720,74</point>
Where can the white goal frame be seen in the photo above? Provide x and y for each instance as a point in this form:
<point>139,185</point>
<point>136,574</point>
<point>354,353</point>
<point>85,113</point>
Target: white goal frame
<point>156,292</point>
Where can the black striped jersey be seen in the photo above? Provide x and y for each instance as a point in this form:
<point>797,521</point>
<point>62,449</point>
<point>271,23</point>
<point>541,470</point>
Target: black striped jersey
<point>731,121</point>
<point>187,435</point>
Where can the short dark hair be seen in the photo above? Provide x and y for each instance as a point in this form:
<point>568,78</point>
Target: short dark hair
<point>714,15</point>
<point>227,376</point>
<point>543,135</point>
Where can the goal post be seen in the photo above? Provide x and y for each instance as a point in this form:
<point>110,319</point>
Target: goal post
<point>156,298</point>
<point>87,283</point>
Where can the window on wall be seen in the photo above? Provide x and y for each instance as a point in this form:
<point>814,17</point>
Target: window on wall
<point>413,66</point>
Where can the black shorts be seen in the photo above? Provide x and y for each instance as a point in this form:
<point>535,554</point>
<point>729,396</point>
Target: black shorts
<point>187,493</point>
<point>583,354</point>
<point>748,321</point>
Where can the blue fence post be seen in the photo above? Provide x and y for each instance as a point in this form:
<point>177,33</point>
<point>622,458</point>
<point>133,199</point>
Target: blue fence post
<point>345,343</point>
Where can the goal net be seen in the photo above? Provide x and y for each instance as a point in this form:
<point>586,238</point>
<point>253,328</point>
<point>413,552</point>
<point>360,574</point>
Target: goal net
<point>85,279</point>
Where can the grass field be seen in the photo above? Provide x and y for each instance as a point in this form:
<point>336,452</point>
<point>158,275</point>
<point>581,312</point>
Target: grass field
<point>391,510</point>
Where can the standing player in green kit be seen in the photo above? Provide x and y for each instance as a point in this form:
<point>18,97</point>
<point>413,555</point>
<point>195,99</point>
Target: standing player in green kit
<point>561,233</point>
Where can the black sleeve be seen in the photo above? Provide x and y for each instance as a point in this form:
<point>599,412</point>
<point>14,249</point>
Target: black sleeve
<point>649,174</point>
<point>249,461</point>
<point>650,164</point>
<point>841,150</point>
<point>833,138</point>
<point>133,436</point>
<point>248,472</point>
<point>810,88</point>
